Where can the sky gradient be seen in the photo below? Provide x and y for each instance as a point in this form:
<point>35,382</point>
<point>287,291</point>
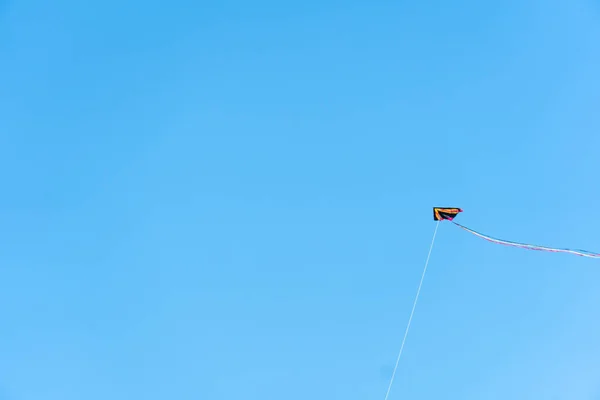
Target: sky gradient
<point>232,200</point>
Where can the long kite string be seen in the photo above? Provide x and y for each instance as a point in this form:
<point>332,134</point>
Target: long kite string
<point>412,312</point>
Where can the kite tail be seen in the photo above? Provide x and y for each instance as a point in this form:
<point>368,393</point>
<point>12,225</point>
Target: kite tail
<point>582,253</point>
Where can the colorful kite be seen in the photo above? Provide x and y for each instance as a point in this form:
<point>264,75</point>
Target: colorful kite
<point>440,214</point>
<point>448,214</point>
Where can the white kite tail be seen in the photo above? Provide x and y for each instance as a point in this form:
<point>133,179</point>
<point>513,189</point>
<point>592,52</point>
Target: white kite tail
<point>412,312</point>
<point>582,253</point>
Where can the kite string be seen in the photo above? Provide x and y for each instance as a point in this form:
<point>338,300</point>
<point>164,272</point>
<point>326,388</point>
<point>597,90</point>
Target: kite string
<point>412,312</point>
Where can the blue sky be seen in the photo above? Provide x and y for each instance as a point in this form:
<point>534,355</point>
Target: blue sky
<point>233,200</point>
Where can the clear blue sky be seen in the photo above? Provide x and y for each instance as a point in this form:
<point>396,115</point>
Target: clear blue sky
<point>232,200</point>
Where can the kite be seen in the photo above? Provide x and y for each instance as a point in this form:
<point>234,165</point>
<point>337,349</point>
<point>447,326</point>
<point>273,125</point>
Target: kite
<point>448,214</point>
<point>442,213</point>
